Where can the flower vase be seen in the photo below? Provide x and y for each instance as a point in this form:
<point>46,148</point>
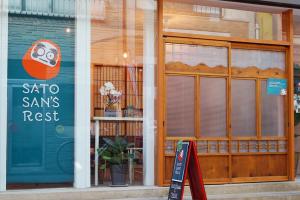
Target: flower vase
<point>112,110</point>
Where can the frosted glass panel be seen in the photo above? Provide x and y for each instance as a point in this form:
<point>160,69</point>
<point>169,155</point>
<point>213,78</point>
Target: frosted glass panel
<point>212,107</point>
<point>251,63</point>
<point>272,113</point>
<point>243,114</point>
<point>180,99</point>
<point>213,18</point>
<point>245,58</point>
<point>186,57</point>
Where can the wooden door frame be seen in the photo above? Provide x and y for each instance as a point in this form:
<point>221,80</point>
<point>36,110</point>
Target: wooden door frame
<point>287,25</point>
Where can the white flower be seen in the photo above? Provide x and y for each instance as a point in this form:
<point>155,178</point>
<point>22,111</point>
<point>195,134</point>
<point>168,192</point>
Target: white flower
<point>114,92</point>
<point>119,93</point>
<point>103,91</point>
<point>112,95</point>
<point>109,86</point>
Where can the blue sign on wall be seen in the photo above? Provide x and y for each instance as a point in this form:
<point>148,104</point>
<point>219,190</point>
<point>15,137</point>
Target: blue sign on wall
<point>276,86</point>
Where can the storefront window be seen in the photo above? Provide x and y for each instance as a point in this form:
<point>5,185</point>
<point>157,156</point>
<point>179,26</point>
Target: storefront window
<point>44,40</point>
<point>210,18</point>
<point>216,61</point>
<point>41,45</point>
<point>122,52</point>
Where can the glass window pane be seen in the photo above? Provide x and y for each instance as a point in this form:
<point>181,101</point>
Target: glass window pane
<point>213,107</point>
<point>213,18</point>
<point>123,56</point>
<point>257,62</point>
<point>297,81</point>
<point>180,100</point>
<point>61,8</point>
<point>272,113</point>
<point>196,58</point>
<point>243,114</point>
<point>41,77</point>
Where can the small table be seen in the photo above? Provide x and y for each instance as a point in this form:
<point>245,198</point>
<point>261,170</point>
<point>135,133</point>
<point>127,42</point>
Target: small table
<point>97,135</point>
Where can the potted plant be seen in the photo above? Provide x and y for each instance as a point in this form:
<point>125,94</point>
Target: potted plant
<point>112,101</point>
<point>115,153</point>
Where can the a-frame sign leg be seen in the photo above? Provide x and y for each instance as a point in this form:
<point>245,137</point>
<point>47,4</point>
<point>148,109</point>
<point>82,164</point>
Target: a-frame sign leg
<point>195,175</point>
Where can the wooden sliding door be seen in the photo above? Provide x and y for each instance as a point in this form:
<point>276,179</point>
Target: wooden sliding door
<point>259,120</point>
<point>215,93</point>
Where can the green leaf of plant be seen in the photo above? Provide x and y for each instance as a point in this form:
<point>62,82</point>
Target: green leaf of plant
<point>115,151</point>
<point>103,167</point>
<point>131,155</point>
<point>108,141</point>
<point>107,158</point>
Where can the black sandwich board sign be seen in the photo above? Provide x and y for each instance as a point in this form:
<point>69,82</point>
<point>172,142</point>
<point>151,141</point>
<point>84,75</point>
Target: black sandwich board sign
<point>186,162</point>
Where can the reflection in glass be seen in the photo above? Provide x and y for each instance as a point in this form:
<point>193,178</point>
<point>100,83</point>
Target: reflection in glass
<point>196,58</point>
<point>272,110</point>
<point>122,52</point>
<point>209,18</point>
<point>180,99</point>
<point>213,107</point>
<point>243,114</point>
<point>41,79</point>
<point>257,62</point>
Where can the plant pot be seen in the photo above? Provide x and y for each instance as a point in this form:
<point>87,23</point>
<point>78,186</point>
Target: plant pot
<point>118,174</point>
<point>113,110</point>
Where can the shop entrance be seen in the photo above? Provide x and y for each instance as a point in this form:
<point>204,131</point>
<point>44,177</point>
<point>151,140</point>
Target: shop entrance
<point>216,93</point>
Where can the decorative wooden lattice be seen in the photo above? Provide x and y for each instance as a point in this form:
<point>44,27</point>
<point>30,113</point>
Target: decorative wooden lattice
<point>234,146</point>
<point>129,80</point>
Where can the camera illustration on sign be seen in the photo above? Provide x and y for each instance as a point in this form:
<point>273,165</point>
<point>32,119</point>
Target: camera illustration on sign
<point>42,60</point>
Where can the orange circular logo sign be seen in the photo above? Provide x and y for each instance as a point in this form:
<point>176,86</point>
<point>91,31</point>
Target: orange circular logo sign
<point>42,60</point>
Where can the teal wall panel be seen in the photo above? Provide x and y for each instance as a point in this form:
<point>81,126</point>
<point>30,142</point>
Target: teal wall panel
<point>40,151</point>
